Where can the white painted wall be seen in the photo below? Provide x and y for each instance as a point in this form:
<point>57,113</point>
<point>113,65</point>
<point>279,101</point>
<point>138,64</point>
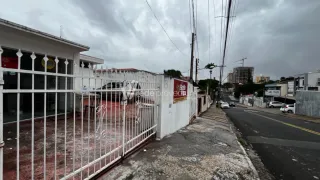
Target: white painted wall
<point>172,116</point>
<point>15,39</point>
<point>313,80</point>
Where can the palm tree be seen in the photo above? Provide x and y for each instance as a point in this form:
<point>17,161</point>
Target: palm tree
<point>210,66</point>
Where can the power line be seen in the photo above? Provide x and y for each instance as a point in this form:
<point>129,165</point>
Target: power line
<point>232,25</point>
<point>209,27</point>
<point>226,36</point>
<point>190,16</point>
<point>164,29</point>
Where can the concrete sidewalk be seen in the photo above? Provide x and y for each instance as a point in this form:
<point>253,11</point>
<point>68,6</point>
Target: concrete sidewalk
<point>206,149</point>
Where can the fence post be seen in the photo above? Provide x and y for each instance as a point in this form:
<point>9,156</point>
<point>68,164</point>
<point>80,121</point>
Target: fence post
<point>124,125</point>
<point>1,116</point>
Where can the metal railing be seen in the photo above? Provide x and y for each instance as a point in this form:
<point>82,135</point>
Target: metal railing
<point>87,130</point>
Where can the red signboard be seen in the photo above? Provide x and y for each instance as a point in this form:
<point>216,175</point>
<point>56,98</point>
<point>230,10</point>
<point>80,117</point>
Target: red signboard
<point>10,62</point>
<point>180,90</point>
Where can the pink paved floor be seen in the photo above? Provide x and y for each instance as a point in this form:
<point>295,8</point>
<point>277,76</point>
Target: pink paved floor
<point>107,133</point>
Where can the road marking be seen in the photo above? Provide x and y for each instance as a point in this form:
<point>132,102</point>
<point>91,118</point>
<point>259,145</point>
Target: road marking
<point>252,111</point>
<point>288,124</point>
<point>284,142</point>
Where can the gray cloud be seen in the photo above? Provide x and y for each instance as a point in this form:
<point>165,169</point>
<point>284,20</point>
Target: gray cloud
<point>279,37</point>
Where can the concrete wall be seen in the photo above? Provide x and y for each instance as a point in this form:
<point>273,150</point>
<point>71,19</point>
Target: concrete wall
<point>283,89</point>
<point>173,116</point>
<point>313,80</point>
<point>307,103</point>
<point>205,102</point>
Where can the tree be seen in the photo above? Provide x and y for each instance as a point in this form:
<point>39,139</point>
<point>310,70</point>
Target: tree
<point>211,84</point>
<point>227,85</point>
<point>249,88</point>
<point>210,66</point>
<point>282,78</point>
<point>173,73</point>
<point>290,78</point>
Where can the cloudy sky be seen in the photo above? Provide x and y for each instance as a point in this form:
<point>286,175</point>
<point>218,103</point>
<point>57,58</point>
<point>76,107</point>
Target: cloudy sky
<point>279,37</point>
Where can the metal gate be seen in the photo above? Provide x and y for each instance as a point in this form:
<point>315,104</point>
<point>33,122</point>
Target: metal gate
<point>72,122</point>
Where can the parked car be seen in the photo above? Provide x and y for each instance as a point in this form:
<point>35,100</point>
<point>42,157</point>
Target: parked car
<point>232,104</point>
<point>273,104</point>
<point>114,91</point>
<point>289,108</point>
<point>225,105</point>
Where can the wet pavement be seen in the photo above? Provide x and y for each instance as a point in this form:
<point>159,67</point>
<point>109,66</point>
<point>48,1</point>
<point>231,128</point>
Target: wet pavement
<point>206,149</point>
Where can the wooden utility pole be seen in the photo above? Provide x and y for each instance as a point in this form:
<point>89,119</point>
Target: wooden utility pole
<point>191,61</point>
<point>197,65</point>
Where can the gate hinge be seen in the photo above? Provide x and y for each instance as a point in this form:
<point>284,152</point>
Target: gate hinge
<point>2,144</point>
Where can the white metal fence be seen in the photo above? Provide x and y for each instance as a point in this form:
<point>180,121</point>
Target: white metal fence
<point>71,133</point>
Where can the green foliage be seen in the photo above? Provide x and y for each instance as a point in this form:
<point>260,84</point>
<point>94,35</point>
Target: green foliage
<point>210,66</point>
<point>211,83</point>
<point>249,88</point>
<point>172,73</point>
<point>227,85</point>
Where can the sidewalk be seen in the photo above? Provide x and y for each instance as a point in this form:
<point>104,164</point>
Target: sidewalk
<point>206,149</point>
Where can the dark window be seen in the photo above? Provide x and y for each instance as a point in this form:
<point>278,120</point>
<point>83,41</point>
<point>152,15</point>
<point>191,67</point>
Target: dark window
<point>204,100</point>
<point>86,65</point>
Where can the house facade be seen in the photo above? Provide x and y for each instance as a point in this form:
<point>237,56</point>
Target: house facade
<point>28,56</point>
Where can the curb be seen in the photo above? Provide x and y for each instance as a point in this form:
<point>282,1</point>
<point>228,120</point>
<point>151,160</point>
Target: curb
<point>248,160</point>
<point>244,151</point>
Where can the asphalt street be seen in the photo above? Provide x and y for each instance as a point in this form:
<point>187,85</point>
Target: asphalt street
<point>288,147</point>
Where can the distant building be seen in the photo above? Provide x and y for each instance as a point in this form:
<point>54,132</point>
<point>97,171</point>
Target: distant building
<point>230,77</point>
<point>308,81</point>
<point>242,75</point>
<point>262,79</point>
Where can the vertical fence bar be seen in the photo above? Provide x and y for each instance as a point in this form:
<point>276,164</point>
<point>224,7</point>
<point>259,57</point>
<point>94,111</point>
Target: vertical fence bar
<point>74,115</point>
<point>119,116</point>
<point>124,126</point>
<point>101,115</point>
<point>1,116</point>
<point>18,117</point>
<point>95,123</point>
<point>65,117</point>
<point>32,118</point>
<point>56,121</point>
<point>45,120</point>
<point>89,111</point>
<point>81,154</point>
<point>112,125</point>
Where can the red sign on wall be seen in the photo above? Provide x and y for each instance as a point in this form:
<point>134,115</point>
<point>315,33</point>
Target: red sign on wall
<point>10,62</point>
<point>180,90</point>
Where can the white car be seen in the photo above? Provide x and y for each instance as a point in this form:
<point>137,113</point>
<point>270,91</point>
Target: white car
<point>289,108</point>
<point>225,105</point>
<point>274,104</point>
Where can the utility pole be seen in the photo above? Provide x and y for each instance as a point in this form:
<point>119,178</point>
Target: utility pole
<point>191,61</point>
<point>225,46</point>
<point>197,65</point>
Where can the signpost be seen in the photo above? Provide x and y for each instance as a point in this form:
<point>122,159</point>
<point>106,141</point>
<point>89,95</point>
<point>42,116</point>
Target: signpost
<point>180,90</point>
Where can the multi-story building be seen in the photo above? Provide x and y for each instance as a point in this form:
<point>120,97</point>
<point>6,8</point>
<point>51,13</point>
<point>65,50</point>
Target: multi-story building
<point>308,81</point>
<point>242,75</point>
<point>262,79</point>
<point>230,77</point>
